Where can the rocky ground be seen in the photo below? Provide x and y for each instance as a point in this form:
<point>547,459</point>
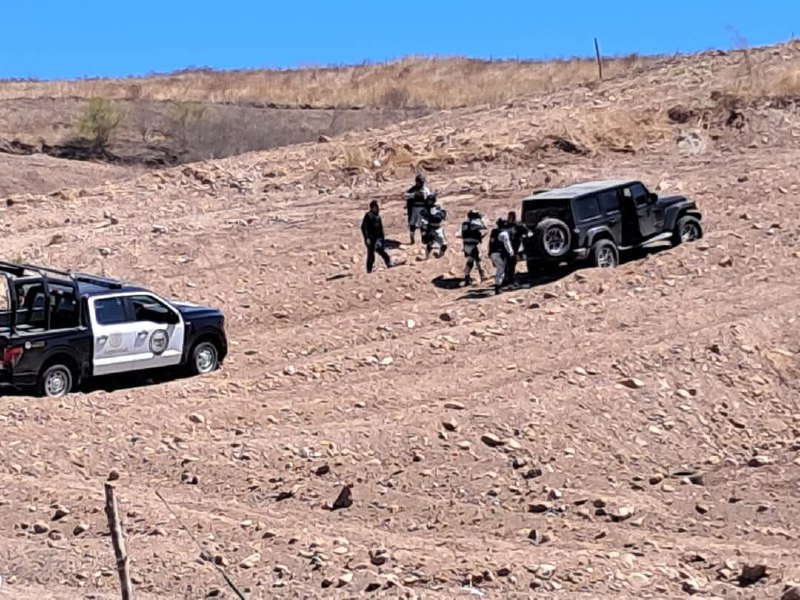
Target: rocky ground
<point>632,433</point>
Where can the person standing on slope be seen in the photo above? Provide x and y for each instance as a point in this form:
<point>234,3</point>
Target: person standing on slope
<point>372,230</point>
<point>472,235</point>
<point>500,249</point>
<point>432,220</point>
<point>416,198</point>
<point>517,231</point>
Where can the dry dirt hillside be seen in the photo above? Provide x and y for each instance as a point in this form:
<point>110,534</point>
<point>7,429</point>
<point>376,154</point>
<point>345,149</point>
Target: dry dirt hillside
<point>200,114</point>
<point>632,433</point>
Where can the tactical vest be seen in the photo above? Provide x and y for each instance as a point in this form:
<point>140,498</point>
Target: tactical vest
<point>495,245</point>
<point>471,233</point>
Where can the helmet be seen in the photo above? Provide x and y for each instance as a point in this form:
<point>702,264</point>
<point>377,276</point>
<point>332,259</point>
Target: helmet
<point>420,178</point>
<point>473,214</point>
<point>502,223</point>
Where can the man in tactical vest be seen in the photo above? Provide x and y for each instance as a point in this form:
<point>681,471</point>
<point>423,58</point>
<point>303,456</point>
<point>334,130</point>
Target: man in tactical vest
<point>500,250</point>
<point>517,231</point>
<point>432,220</point>
<point>416,198</point>
<point>472,235</point>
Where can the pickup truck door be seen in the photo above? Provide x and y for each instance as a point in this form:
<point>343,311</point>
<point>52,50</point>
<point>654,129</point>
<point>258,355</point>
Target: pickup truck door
<point>158,332</point>
<point>114,334</point>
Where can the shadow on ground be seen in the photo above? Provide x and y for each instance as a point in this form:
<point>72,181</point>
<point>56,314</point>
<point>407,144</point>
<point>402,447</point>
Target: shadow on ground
<point>113,383</point>
<point>524,280</point>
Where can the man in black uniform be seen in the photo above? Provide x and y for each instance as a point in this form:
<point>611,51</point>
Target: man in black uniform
<point>372,230</point>
<point>516,231</point>
<point>416,200</point>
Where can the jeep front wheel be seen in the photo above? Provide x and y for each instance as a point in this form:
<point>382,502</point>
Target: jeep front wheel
<point>554,237</point>
<point>605,254</point>
<point>687,229</point>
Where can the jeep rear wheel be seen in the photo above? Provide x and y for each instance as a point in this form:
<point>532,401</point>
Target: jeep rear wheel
<point>687,229</point>
<point>605,254</point>
<point>553,237</point>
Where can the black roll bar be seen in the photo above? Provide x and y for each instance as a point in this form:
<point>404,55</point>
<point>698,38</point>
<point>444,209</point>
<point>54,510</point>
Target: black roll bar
<point>12,270</point>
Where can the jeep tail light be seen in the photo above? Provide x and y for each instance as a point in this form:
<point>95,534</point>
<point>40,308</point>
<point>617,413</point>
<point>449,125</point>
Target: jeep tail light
<point>11,356</point>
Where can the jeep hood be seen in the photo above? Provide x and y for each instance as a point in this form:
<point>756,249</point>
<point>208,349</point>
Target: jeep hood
<point>665,201</point>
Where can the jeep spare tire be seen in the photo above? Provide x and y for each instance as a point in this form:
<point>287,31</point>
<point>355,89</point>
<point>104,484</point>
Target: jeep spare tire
<point>553,237</point>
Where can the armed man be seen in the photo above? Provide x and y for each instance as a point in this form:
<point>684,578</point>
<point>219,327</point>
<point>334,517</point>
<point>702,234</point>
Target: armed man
<point>517,231</point>
<point>500,250</point>
<point>432,220</point>
<point>472,232</point>
<point>372,230</point>
<point>416,198</point>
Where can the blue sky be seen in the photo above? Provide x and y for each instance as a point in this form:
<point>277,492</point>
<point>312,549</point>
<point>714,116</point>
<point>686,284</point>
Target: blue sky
<point>58,39</point>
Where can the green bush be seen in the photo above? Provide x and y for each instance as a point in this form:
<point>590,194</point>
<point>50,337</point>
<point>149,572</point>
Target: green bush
<point>98,122</point>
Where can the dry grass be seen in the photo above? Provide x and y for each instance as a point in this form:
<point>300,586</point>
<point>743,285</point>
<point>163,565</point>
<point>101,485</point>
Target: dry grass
<point>411,82</point>
<point>768,83</point>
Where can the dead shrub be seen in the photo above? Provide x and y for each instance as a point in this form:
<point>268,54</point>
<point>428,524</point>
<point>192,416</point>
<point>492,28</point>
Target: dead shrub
<point>356,158</point>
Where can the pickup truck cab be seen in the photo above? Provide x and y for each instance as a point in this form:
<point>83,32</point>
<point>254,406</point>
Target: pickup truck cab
<point>62,328</point>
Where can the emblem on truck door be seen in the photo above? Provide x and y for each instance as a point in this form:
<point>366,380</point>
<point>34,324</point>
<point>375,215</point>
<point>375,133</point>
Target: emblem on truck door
<point>115,340</point>
<point>159,341</point>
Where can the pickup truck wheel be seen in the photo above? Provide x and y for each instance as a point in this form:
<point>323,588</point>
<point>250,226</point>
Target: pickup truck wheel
<point>55,381</point>
<point>554,237</point>
<point>605,254</point>
<point>204,359</point>
<point>687,229</point>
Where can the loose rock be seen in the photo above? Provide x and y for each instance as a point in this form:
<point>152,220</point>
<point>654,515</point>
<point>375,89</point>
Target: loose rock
<point>197,418</point>
<point>791,593</point>
<point>251,561</point>
<point>344,499</point>
<point>633,383</point>
<point>752,574</point>
<point>40,527</point>
<point>450,424</point>
<point>491,440</point>
<point>452,405</point>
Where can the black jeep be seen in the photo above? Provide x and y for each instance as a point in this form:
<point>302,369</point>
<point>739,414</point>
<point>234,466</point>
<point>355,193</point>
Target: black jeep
<point>598,219</point>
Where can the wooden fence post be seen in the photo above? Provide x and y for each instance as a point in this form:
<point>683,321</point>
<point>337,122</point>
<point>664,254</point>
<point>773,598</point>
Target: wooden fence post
<point>599,60</point>
<point>119,544</point>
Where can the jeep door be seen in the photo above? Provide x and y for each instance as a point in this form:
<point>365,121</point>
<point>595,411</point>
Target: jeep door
<point>645,209</point>
<point>609,204</point>
<point>159,332</point>
<point>587,216</point>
